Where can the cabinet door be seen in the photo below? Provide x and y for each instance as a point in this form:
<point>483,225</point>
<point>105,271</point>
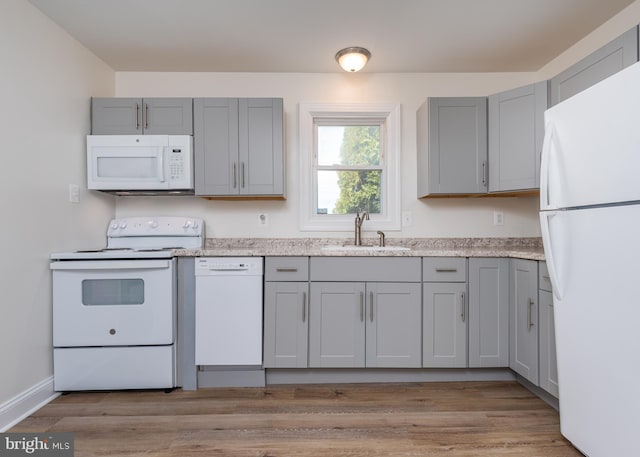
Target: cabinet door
<point>216,146</point>
<point>261,147</point>
<point>167,116</point>
<point>548,363</point>
<point>516,132</point>
<point>116,116</point>
<point>444,325</point>
<point>337,327</point>
<point>488,313</point>
<point>610,59</point>
<point>285,324</point>
<point>393,330</point>
<point>452,153</point>
<point>523,295</point>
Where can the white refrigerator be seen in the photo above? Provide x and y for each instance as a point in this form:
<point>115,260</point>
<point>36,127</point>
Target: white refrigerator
<point>590,220</point>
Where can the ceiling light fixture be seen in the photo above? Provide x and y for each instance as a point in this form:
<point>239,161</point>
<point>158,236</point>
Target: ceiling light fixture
<point>353,59</point>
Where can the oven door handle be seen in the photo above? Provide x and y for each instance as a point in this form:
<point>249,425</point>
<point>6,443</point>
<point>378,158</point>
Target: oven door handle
<point>111,265</point>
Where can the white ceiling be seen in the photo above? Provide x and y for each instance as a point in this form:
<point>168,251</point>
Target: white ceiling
<point>404,36</point>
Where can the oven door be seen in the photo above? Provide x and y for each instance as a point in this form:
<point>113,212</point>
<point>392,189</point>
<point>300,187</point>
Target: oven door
<point>114,302</point>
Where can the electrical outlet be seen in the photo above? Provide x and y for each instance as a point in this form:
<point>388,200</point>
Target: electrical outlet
<point>498,218</point>
<point>263,219</point>
<point>407,220</point>
<point>74,193</point>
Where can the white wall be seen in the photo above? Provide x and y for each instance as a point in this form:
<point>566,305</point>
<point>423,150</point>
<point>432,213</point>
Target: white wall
<point>45,84</point>
<point>431,217</point>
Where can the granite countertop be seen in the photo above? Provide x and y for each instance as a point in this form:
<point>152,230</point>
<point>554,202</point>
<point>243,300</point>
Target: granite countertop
<point>523,248</point>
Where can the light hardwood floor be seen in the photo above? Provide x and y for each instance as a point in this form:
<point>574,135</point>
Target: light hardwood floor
<point>424,419</point>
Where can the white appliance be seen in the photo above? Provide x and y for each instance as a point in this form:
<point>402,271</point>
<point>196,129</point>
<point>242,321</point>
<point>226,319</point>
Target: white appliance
<point>115,309</point>
<point>590,218</point>
<point>229,311</point>
<point>140,163</point>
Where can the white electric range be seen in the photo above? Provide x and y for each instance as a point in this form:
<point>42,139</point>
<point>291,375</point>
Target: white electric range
<point>115,309</point>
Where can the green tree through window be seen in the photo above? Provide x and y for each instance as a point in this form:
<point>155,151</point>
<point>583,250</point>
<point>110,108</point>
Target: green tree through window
<point>359,189</point>
<point>349,168</point>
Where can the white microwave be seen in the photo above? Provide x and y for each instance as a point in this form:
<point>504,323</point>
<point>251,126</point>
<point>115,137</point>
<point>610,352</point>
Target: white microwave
<point>140,163</point>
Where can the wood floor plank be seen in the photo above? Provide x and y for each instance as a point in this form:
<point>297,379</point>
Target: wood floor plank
<point>419,419</point>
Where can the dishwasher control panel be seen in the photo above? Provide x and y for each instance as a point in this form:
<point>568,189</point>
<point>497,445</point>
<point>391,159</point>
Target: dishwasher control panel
<point>211,266</point>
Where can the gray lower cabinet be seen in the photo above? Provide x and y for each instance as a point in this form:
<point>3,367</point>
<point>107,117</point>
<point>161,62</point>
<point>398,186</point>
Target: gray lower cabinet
<point>356,324</point>
<point>444,325</point>
<point>337,329</point>
<point>516,133</point>
<point>286,324</point>
<point>444,312</point>
<point>488,312</point>
<point>524,323</point>
<point>452,146</point>
<point>239,147</point>
<point>136,116</point>
<point>548,361</point>
<point>286,312</point>
<point>611,58</point>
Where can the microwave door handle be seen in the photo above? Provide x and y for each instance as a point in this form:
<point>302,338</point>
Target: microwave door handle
<point>163,153</point>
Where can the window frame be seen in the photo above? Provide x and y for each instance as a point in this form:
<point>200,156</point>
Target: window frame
<point>311,114</point>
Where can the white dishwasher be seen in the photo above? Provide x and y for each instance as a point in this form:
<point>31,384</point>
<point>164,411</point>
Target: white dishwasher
<point>228,311</point>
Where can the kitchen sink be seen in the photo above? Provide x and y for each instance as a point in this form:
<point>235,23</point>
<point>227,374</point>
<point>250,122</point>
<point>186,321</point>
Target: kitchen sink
<point>351,247</point>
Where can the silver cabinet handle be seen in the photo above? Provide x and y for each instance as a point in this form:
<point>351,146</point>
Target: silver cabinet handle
<point>146,115</point>
<point>361,306</point>
<point>463,313</point>
<point>304,306</point>
<point>371,306</point>
<point>446,270</point>
<point>242,174</point>
<point>529,317</point>
<point>235,176</point>
<point>484,172</point>
<point>137,116</point>
<point>286,270</point>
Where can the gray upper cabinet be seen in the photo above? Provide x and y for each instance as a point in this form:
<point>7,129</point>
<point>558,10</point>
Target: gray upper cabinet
<point>611,58</point>
<point>523,297</point>
<point>136,116</point>
<point>452,146</point>
<point>488,312</point>
<point>239,147</point>
<point>516,133</point>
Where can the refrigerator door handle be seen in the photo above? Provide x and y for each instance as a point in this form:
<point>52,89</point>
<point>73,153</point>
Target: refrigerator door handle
<point>545,217</point>
<point>547,148</point>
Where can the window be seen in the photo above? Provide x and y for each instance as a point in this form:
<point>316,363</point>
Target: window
<point>349,163</point>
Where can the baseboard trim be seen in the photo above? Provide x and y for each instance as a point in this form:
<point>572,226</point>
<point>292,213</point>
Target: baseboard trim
<point>22,405</point>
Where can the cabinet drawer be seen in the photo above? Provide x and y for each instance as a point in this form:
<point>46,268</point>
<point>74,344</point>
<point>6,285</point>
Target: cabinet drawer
<point>286,269</point>
<point>544,282</point>
<point>374,269</point>
<point>444,269</point>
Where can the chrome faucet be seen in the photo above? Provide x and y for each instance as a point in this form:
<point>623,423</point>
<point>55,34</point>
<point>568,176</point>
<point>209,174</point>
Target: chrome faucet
<point>359,221</point>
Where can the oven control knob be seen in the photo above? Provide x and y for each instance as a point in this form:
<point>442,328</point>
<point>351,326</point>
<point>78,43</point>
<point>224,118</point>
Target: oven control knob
<point>123,225</point>
<point>187,224</point>
<point>112,331</point>
<point>153,224</point>
<point>114,225</point>
<point>194,224</point>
